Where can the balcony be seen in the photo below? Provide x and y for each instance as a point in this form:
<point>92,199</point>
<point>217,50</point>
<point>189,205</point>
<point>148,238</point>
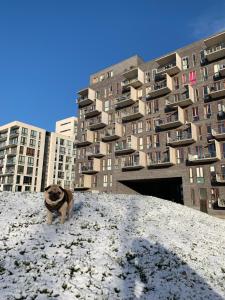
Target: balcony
<point>92,167</point>
<point>183,137</point>
<point>86,139</point>
<point>170,64</point>
<point>3,145</point>
<point>173,120</point>
<point>202,158</point>
<point>220,178</point>
<point>86,97</point>
<point>215,47</point>
<point>112,134</point>
<point>216,90</point>
<point>127,146</point>
<point>3,136</point>
<point>220,72</point>
<point>14,132</point>
<point>98,122</point>
<point>9,171</point>
<point>126,99</point>
<point>134,162</point>
<point>181,100</point>
<point>134,113</point>
<point>84,183</point>
<point>10,162</point>
<point>98,150</point>
<point>134,78</point>
<point>160,88</point>
<point>219,132</point>
<point>94,110</point>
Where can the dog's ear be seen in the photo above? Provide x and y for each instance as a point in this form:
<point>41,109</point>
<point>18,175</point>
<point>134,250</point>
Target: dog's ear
<point>47,188</point>
<point>61,189</point>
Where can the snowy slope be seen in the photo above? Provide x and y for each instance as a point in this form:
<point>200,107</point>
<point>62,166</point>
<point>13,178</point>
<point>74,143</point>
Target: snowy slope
<point>114,247</point>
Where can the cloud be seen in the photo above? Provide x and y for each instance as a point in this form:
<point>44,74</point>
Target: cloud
<point>207,24</point>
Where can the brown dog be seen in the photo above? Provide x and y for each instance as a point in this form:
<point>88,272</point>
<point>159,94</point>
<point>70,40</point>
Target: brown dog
<point>59,200</point>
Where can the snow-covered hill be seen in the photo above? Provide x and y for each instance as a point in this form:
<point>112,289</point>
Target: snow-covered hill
<point>114,247</point>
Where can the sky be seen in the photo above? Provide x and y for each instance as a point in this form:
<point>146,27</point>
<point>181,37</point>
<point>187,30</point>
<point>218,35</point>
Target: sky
<point>49,48</point>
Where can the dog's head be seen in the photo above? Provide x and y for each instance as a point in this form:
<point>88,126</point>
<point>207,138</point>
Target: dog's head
<point>54,192</point>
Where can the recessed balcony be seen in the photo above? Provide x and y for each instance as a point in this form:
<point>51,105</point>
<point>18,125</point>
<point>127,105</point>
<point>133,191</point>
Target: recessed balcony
<point>220,73</point>
<point>134,78</point>
<point>172,120</point>
<point>170,64</point>
<point>112,134</point>
<point>92,167</point>
<point>160,88</point>
<point>98,122</point>
<point>94,110</point>
<point>3,136</point>
<point>181,100</point>
<point>127,146</point>
<point>134,112</point>
<point>86,97</point>
<point>220,178</point>
<point>126,99</point>
<point>184,139</point>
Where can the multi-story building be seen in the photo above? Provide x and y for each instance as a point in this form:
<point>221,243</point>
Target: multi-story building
<point>32,158</point>
<point>157,127</point>
<point>67,127</point>
<point>21,157</point>
<point>61,161</point>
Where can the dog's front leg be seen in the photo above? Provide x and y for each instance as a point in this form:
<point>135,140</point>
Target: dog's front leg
<point>49,217</point>
<point>63,210</point>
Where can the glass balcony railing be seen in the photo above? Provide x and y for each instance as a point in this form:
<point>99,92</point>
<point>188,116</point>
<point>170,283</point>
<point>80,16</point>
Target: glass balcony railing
<point>166,67</point>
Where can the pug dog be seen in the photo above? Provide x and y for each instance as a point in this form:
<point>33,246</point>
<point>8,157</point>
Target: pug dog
<point>58,200</point>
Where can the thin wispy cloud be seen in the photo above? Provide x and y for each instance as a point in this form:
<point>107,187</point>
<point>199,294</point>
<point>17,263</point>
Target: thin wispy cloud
<point>208,24</point>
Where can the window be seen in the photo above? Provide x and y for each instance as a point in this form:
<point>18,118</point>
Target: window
<point>109,164</point>
<point>105,181</point>
<point>195,114</point>
<point>20,169</point>
<point>185,63</point>
<point>155,106</point>
<point>29,170</point>
<point>148,125</point>
<point>141,146</point>
<point>191,175</point>
<point>192,77</point>
<point>207,111</point>
<point>27,180</point>
<point>30,151</point>
<point>33,133</point>
<point>184,79</point>
<point>193,197</point>
<point>110,180</point>
<point>156,141</point>
<point>21,160</point>
<point>94,181</point>
<point>106,105</point>
<point>148,108</point>
<point>200,175</point>
<point>24,131</point>
<point>140,126</point>
<point>21,149</point>
<point>194,59</point>
<point>23,140</point>
<point>180,155</point>
<point>176,83</point>
<point>103,165</point>
<point>32,143</point>
<point>197,95</point>
<point>149,141</point>
<point>109,74</point>
<point>30,161</point>
<point>204,73</point>
<point>147,77</point>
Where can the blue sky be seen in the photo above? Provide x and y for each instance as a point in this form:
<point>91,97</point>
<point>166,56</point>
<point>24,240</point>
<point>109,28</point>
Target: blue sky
<point>49,48</point>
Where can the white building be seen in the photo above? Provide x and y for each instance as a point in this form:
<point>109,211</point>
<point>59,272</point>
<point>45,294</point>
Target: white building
<point>67,127</point>
<point>21,157</point>
<point>61,161</point>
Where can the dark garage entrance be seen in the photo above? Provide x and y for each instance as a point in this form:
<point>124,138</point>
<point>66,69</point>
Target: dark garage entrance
<point>165,188</point>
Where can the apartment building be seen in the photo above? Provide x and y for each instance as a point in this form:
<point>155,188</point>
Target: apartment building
<point>21,157</point>
<point>67,127</point>
<point>157,127</point>
<point>32,158</point>
<point>61,161</point>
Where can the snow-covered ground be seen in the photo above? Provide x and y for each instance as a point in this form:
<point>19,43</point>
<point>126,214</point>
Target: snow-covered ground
<point>114,247</point>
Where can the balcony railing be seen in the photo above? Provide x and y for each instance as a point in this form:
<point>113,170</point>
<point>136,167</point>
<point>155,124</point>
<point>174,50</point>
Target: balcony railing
<point>160,162</point>
<point>180,99</point>
<point>166,67</point>
<point>203,157</point>
<point>181,139</point>
<point>214,49</point>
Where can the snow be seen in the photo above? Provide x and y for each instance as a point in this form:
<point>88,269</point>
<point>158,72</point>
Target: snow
<point>114,247</point>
